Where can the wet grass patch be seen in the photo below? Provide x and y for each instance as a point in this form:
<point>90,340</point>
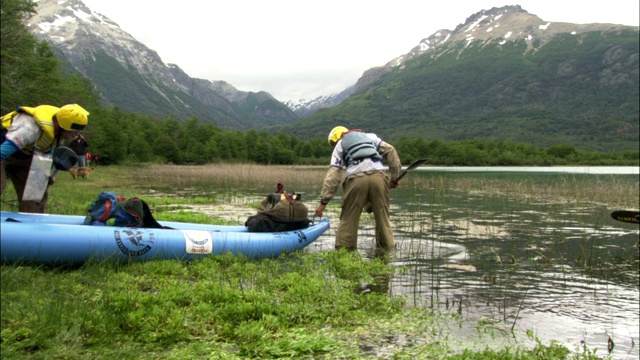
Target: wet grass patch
<point>302,305</point>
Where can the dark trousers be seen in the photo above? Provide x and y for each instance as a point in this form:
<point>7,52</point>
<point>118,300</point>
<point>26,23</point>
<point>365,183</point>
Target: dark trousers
<point>359,190</point>
<point>17,170</point>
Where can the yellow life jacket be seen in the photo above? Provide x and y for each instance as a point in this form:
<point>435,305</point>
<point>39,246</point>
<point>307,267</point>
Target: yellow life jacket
<point>43,115</point>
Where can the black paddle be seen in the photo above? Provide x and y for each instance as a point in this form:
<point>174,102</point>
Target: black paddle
<point>626,216</point>
<point>63,159</point>
<point>413,165</point>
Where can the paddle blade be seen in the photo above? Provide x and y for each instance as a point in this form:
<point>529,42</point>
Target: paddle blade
<point>417,163</point>
<point>626,216</point>
<point>64,158</point>
<point>413,165</point>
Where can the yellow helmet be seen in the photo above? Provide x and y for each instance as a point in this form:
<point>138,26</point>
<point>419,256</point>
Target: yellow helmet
<point>336,134</point>
<point>72,117</point>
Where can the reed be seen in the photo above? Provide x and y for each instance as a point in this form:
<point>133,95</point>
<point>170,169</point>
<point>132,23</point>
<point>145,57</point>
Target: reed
<point>183,184</point>
<point>299,306</point>
<point>235,175</point>
<point>612,191</point>
<point>193,181</point>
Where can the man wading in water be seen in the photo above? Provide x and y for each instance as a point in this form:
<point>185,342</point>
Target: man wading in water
<point>366,183</point>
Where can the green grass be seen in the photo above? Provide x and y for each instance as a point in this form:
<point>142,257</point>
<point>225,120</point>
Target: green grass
<point>300,305</point>
<point>227,305</point>
<point>296,306</point>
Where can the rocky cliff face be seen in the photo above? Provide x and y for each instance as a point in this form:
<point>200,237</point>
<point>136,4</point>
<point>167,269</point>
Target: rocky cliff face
<point>134,77</point>
<point>304,108</point>
<point>494,26</point>
<point>106,54</point>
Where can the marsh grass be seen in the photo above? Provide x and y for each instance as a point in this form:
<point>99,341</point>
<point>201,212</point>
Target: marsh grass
<point>582,193</point>
<point>302,305</point>
<point>605,190</point>
<point>204,184</point>
<point>233,176</point>
<point>509,214</point>
<point>296,306</point>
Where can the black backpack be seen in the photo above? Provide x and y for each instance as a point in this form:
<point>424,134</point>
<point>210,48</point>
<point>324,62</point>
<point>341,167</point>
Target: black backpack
<point>279,212</point>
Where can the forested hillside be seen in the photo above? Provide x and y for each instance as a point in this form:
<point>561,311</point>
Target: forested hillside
<point>128,74</point>
<point>31,74</point>
<point>567,92</point>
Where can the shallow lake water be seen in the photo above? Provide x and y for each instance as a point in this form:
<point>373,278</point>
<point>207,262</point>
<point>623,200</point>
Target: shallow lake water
<point>559,268</point>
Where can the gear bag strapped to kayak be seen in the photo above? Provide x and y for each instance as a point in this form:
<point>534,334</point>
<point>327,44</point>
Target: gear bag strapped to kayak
<point>111,209</point>
<point>279,212</point>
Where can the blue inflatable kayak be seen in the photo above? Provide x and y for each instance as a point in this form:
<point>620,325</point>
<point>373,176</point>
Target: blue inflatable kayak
<point>64,239</point>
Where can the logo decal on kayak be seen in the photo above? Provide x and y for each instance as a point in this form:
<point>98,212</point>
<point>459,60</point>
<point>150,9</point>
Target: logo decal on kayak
<point>134,242</point>
<point>198,242</point>
<point>301,236</point>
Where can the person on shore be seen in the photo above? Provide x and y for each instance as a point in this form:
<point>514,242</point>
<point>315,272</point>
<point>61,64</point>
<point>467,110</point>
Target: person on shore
<point>79,146</point>
<point>365,184</point>
<point>34,130</point>
<point>88,157</point>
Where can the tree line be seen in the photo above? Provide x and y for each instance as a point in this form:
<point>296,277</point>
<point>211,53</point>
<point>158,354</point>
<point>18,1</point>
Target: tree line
<point>31,74</point>
<point>123,137</point>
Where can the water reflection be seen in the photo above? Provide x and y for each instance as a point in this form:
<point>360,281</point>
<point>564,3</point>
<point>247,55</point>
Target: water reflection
<point>563,270</point>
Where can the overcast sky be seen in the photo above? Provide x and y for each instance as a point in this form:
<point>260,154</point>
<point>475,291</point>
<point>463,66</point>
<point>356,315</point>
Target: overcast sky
<point>301,49</point>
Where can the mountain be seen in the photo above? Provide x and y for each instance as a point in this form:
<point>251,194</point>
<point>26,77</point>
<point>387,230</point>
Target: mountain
<point>303,108</point>
<point>133,77</point>
<point>505,75</point>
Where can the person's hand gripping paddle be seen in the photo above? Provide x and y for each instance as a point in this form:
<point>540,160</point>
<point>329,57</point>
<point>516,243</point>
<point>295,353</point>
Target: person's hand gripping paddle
<point>412,166</point>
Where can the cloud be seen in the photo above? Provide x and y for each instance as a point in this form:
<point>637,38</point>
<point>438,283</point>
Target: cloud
<point>297,85</point>
<point>303,49</point>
